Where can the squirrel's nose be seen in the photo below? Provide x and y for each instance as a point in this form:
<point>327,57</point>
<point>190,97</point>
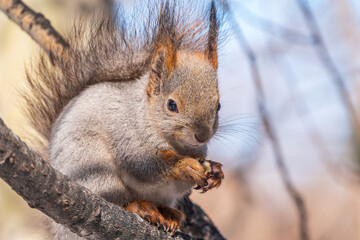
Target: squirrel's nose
<point>202,134</point>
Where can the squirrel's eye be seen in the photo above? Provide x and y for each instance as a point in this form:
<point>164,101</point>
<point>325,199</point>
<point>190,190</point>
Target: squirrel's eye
<point>172,106</point>
<point>219,107</point>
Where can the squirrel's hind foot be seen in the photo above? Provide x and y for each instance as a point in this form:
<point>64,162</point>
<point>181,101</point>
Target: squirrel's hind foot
<point>168,218</point>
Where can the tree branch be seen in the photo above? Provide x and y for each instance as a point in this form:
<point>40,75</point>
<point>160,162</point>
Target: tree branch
<point>305,115</point>
<point>198,224</point>
<point>270,129</point>
<point>76,207</point>
<point>329,64</point>
<point>36,25</point>
<point>273,28</point>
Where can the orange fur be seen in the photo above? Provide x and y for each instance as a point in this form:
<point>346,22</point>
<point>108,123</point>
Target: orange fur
<point>169,62</point>
<point>169,218</point>
<point>189,170</point>
<point>169,155</point>
<point>212,57</point>
<point>185,168</point>
<point>212,45</point>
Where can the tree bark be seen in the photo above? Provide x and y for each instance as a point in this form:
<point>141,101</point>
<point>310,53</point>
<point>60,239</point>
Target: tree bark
<point>36,25</point>
<point>76,207</point>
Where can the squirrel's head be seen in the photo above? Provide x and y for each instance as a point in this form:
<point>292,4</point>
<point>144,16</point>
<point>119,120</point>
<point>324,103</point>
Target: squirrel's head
<point>183,89</point>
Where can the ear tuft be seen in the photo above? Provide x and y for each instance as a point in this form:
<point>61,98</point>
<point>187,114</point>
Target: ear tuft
<point>169,51</point>
<point>211,48</point>
<point>163,61</point>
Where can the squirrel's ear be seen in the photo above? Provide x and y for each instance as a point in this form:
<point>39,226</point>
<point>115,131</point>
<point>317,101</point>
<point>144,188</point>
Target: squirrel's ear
<point>211,48</point>
<point>162,65</point>
<point>163,61</point>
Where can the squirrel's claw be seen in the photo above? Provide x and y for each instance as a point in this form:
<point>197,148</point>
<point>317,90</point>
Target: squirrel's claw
<point>167,218</point>
<point>214,175</point>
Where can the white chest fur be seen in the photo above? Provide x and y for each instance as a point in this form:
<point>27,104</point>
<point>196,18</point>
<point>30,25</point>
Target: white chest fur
<point>166,194</point>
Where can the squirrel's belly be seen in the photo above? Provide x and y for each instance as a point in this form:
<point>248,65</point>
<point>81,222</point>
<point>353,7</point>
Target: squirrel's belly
<point>166,194</point>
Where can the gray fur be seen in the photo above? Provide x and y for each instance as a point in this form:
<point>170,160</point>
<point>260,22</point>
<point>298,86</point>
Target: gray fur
<point>106,138</point>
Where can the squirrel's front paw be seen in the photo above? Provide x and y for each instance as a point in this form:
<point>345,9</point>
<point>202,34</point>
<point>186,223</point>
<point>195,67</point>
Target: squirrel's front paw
<point>190,170</point>
<point>213,173</point>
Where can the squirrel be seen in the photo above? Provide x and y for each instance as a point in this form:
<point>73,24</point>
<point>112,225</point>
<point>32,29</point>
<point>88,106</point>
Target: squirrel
<point>128,113</point>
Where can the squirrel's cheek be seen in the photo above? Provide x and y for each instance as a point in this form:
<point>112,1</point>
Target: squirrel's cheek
<point>179,135</point>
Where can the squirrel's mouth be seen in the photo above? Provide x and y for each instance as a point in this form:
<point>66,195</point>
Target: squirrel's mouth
<point>190,140</point>
<point>188,144</point>
<point>195,145</point>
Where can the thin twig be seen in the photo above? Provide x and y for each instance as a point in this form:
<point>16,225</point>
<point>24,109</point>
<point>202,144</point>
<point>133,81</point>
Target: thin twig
<point>273,28</point>
<point>314,135</point>
<point>36,25</point>
<point>270,130</point>
<point>329,64</point>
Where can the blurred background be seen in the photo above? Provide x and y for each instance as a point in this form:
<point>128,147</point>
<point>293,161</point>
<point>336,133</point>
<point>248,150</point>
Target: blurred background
<point>289,75</point>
